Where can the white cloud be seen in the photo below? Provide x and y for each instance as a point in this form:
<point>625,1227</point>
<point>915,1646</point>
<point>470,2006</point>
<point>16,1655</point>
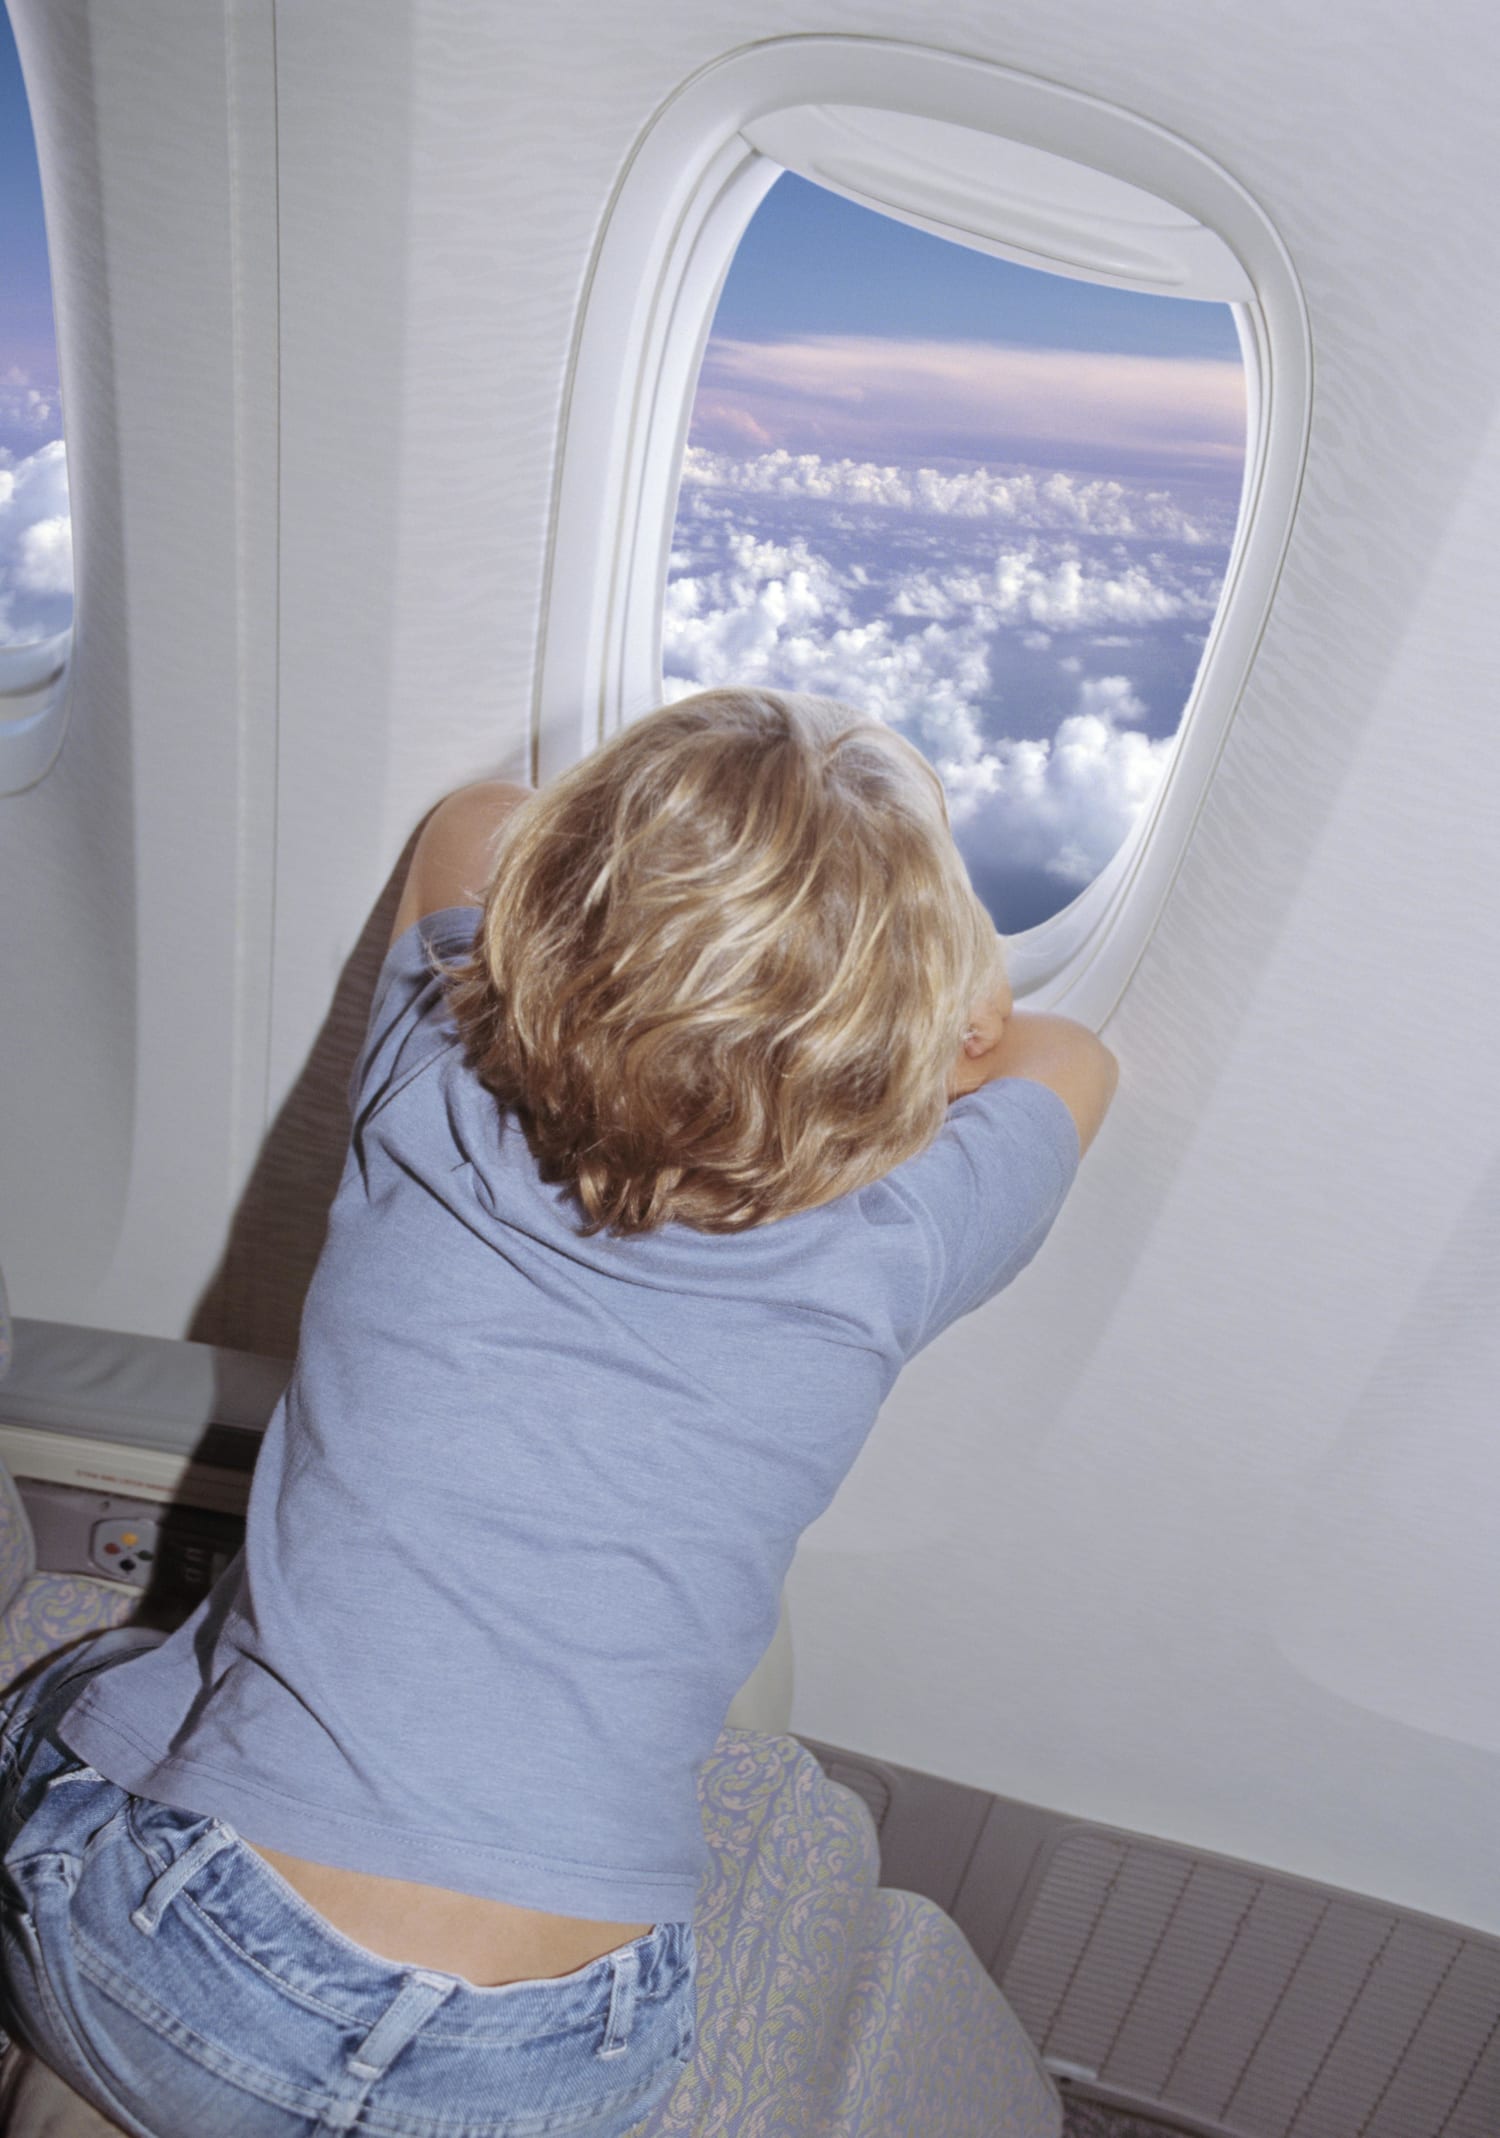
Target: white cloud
<point>1053,589</point>
<point>777,614</point>
<point>1111,697</point>
<point>46,558</point>
<point>1069,594</point>
<point>1060,502</point>
<point>1062,806</point>
<point>26,407</point>
<point>36,548</point>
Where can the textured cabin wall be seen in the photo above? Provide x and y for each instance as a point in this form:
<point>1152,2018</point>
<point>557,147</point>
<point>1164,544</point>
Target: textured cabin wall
<point>127,965</point>
<point>1190,1532</point>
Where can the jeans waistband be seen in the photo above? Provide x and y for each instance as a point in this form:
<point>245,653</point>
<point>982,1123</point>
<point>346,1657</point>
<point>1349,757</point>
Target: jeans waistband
<point>202,1862</point>
<point>276,1928</point>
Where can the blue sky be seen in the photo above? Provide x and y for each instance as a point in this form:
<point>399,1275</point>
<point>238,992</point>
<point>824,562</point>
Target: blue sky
<point>36,552</point>
<point>815,263</point>
<point>989,505</point>
<point>25,287</point>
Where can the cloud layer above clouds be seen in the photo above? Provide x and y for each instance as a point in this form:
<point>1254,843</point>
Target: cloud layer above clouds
<point>1017,629</point>
<point>778,615</point>
<point>1023,499</point>
<point>36,545</point>
<point>877,399</point>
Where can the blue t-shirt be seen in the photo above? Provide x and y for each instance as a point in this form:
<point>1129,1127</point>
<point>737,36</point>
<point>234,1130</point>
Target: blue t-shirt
<point>518,1528</point>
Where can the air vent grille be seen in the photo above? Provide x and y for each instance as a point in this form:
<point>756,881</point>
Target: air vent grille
<point>1251,2004</point>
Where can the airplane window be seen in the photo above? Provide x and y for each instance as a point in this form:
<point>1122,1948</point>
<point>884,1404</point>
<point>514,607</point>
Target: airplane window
<point>989,504</point>
<point>36,556</point>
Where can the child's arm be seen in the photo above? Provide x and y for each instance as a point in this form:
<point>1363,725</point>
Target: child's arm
<point>1054,1051</point>
<point>454,854</point>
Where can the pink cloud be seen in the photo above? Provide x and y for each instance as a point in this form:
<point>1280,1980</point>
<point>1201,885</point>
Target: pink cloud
<point>728,422</point>
<point>882,399</point>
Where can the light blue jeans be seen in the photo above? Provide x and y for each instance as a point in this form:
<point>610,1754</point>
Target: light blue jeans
<point>161,1967</point>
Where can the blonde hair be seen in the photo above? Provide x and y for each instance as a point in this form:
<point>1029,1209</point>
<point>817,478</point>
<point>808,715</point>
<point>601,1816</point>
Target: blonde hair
<point>726,963</point>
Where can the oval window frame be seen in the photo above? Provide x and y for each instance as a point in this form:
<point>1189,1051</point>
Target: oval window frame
<point>35,693</point>
<point>677,214</point>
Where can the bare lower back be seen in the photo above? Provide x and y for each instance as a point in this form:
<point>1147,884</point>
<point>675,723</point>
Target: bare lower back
<point>487,1942</point>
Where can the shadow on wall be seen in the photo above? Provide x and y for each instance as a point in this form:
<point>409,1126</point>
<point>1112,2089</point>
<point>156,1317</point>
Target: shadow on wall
<point>1370,1586</point>
<point>253,1301</point>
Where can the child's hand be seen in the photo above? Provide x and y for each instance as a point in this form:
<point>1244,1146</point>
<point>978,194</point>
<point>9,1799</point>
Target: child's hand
<point>986,1029</point>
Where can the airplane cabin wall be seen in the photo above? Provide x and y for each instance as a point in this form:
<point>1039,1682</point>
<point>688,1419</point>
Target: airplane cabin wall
<point>1193,1530</point>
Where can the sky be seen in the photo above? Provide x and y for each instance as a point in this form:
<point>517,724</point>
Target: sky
<point>811,255</point>
<point>36,552</point>
<point>987,504</point>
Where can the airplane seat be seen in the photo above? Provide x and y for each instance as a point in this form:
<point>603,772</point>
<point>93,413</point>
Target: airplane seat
<point>830,2006</point>
<point>42,1611</point>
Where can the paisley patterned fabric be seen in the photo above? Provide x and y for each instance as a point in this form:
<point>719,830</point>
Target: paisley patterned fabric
<point>40,1612</point>
<point>17,1560</point>
<point>829,2006</point>
<point>50,1610</point>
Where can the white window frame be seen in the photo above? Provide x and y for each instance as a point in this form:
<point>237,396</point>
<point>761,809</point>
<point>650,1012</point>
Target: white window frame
<point>679,210</point>
<point>34,699</point>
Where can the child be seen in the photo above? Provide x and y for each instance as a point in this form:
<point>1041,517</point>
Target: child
<point>656,1180</point>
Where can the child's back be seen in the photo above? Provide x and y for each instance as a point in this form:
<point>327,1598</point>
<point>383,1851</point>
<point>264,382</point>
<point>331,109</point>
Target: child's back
<point>520,1525</point>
